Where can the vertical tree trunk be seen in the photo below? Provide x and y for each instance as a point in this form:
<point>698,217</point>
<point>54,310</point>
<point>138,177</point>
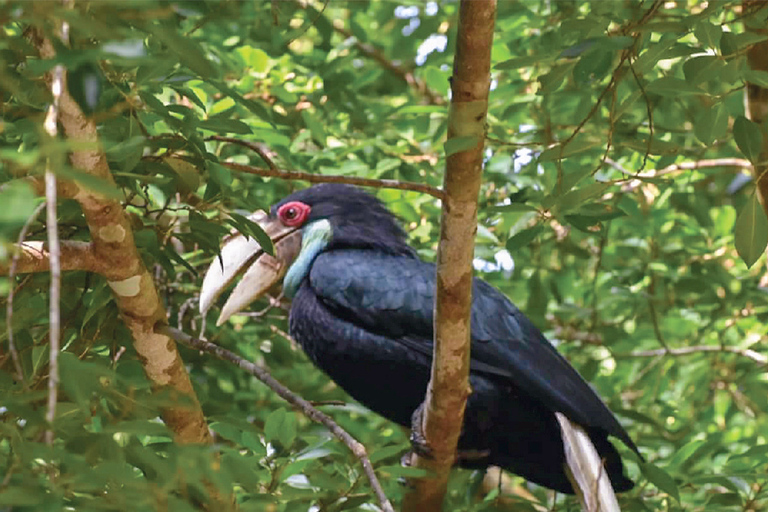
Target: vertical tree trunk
<point>449,384</point>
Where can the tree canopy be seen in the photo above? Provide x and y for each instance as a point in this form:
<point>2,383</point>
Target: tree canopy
<point>622,209</point>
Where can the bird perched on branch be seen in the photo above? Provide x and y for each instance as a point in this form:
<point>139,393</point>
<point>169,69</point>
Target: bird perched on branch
<point>362,310</point>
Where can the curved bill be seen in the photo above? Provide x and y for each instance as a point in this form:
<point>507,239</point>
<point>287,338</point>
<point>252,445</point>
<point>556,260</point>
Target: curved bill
<point>242,255</point>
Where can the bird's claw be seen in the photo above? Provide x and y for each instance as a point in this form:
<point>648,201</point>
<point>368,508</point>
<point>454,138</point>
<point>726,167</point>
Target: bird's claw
<point>421,447</point>
<point>419,444</point>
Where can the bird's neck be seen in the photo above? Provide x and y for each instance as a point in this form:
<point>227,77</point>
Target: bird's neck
<point>315,237</point>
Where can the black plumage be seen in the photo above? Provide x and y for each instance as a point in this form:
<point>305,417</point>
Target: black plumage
<point>363,313</point>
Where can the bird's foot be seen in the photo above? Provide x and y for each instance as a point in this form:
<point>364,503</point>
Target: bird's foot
<point>419,443</point>
<point>421,447</point>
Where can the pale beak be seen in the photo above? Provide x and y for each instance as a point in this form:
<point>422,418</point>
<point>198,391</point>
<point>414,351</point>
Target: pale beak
<point>261,271</point>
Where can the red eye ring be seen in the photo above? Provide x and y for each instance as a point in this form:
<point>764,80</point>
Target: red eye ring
<point>293,213</point>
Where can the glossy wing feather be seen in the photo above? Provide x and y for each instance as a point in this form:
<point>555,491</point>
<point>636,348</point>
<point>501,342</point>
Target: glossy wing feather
<point>393,296</point>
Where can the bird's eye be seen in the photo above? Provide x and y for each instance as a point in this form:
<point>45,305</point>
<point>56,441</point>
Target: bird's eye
<point>293,213</point>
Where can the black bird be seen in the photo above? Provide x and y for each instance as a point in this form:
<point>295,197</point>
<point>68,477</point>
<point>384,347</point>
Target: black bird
<point>362,311</point>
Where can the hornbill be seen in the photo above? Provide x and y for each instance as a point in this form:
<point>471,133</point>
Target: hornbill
<point>362,310</point>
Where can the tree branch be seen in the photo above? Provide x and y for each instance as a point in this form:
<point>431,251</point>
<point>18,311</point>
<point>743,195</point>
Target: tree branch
<point>351,180</point>
<point>357,449</point>
<point>33,257</point>
<point>757,357</point>
<point>376,55</point>
<point>132,285</point>
<point>257,147</point>
<point>683,166</point>
<point>52,228</point>
<point>449,382</point>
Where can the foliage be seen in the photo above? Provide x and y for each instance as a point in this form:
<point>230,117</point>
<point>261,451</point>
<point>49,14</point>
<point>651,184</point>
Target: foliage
<point>611,260</point>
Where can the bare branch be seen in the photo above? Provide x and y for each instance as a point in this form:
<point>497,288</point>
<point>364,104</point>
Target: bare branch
<point>52,228</point>
<point>757,357</point>
<point>350,180</point>
<point>357,449</point>
<point>449,381</point>
<point>683,166</point>
<point>11,290</point>
<point>32,257</point>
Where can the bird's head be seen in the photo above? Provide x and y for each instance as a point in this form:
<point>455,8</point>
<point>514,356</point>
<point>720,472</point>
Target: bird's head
<point>321,218</point>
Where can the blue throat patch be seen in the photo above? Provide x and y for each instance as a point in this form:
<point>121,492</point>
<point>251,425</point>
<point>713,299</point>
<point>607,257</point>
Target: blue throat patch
<point>314,238</point>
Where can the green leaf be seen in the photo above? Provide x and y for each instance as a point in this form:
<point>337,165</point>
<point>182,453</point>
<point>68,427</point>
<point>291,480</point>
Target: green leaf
<point>220,125</point>
<point>459,144</point>
<point>227,431</point>
<point>725,499</point>
<point>398,471</point>
<point>731,43</point>
<point>91,182</point>
<point>220,174</point>
<point>281,426</point>
<point>523,238</point>
<point>655,53</point>
<point>315,128</point>
<point>255,58</point>
<point>21,496</point>
<point>661,479</point>
<point>684,453</point>
<point>18,200</point>
<point>575,198</point>
<point>82,380</point>
<point>757,77</point>
<point>187,50</point>
<point>593,65</point>
<point>708,34</point>
<point>672,87</point>
<point>751,231</point>
<point>552,80</point>
<point>437,80</point>
<point>703,68</point>
<point>711,124</point>
<point>578,144</point>
<point>519,62</point>
<point>758,452</point>
<point>748,137</point>
<point>251,229</point>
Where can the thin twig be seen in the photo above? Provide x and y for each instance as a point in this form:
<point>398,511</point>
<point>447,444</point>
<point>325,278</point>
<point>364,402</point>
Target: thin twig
<point>649,112</point>
<point>289,396</point>
<point>350,180</point>
<point>685,351</point>
<point>655,322</point>
<point>378,56</point>
<point>9,304</point>
<point>52,228</point>
<point>257,147</point>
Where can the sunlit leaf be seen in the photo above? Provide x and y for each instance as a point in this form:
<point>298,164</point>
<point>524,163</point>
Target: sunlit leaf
<point>661,479</point>
<point>674,87</point>
<point>751,231</point>
<point>711,124</point>
<point>749,137</point>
